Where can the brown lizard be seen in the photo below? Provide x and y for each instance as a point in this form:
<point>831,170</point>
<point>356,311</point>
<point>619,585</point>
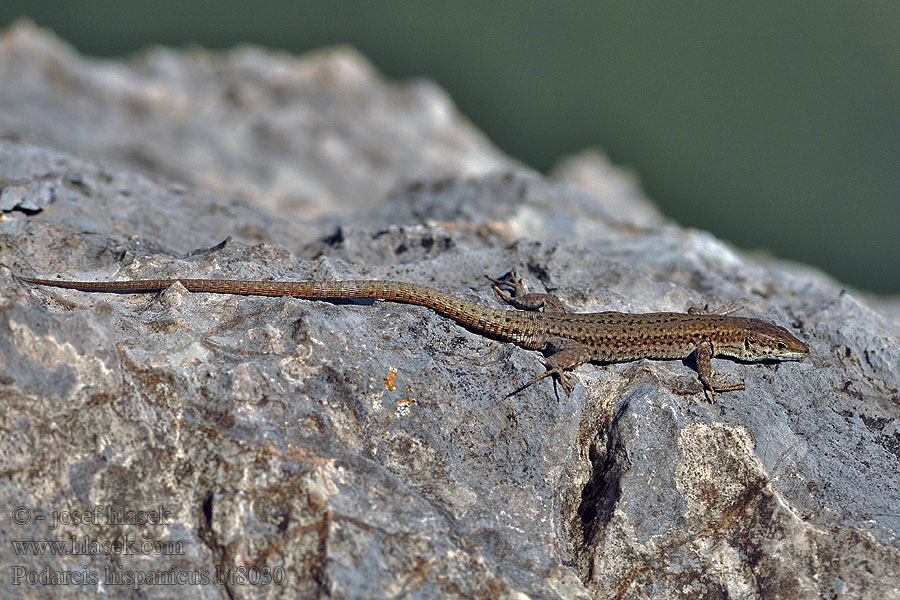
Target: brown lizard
<point>569,339</point>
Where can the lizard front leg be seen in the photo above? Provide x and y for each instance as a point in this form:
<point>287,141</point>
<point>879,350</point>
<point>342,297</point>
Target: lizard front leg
<point>712,383</point>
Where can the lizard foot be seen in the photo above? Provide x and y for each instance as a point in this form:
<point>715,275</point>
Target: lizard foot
<point>720,384</point>
<point>727,309</point>
<point>520,298</point>
<point>560,374</point>
<point>512,281</point>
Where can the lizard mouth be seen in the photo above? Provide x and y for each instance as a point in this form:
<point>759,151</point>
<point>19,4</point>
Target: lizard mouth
<point>791,356</point>
<point>781,356</point>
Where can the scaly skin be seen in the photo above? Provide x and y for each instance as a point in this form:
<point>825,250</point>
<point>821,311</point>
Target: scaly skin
<point>570,339</point>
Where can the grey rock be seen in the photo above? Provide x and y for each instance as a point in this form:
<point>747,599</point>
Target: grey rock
<point>28,197</point>
<point>370,450</point>
<point>617,189</point>
<point>317,134</point>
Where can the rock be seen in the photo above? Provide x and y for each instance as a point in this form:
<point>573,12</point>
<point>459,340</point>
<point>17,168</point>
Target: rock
<point>618,190</point>
<point>290,448</point>
<point>319,134</point>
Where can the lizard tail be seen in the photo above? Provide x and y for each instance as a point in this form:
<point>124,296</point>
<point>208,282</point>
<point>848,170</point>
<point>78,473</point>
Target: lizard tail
<point>480,318</point>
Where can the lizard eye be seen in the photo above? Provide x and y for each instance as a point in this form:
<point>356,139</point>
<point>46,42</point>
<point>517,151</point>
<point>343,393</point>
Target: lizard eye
<point>781,345</point>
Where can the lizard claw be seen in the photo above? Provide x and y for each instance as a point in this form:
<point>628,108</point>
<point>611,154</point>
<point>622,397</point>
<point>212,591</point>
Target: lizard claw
<point>564,382</point>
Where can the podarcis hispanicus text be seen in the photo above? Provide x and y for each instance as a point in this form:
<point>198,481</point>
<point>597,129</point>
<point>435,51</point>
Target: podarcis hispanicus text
<point>569,339</point>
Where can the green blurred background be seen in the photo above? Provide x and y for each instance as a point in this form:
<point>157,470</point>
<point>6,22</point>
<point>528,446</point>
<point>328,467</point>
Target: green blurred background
<point>773,124</point>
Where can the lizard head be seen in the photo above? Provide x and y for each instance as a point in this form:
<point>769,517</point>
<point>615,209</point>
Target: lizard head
<point>759,340</point>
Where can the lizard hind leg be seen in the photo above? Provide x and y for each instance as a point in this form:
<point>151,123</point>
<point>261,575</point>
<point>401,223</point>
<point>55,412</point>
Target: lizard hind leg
<point>726,309</point>
<point>520,298</point>
<point>567,355</point>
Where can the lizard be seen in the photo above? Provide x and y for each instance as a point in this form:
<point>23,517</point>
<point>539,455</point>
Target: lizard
<point>568,340</point>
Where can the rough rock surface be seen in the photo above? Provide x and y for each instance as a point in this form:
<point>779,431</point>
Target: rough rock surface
<point>369,450</point>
